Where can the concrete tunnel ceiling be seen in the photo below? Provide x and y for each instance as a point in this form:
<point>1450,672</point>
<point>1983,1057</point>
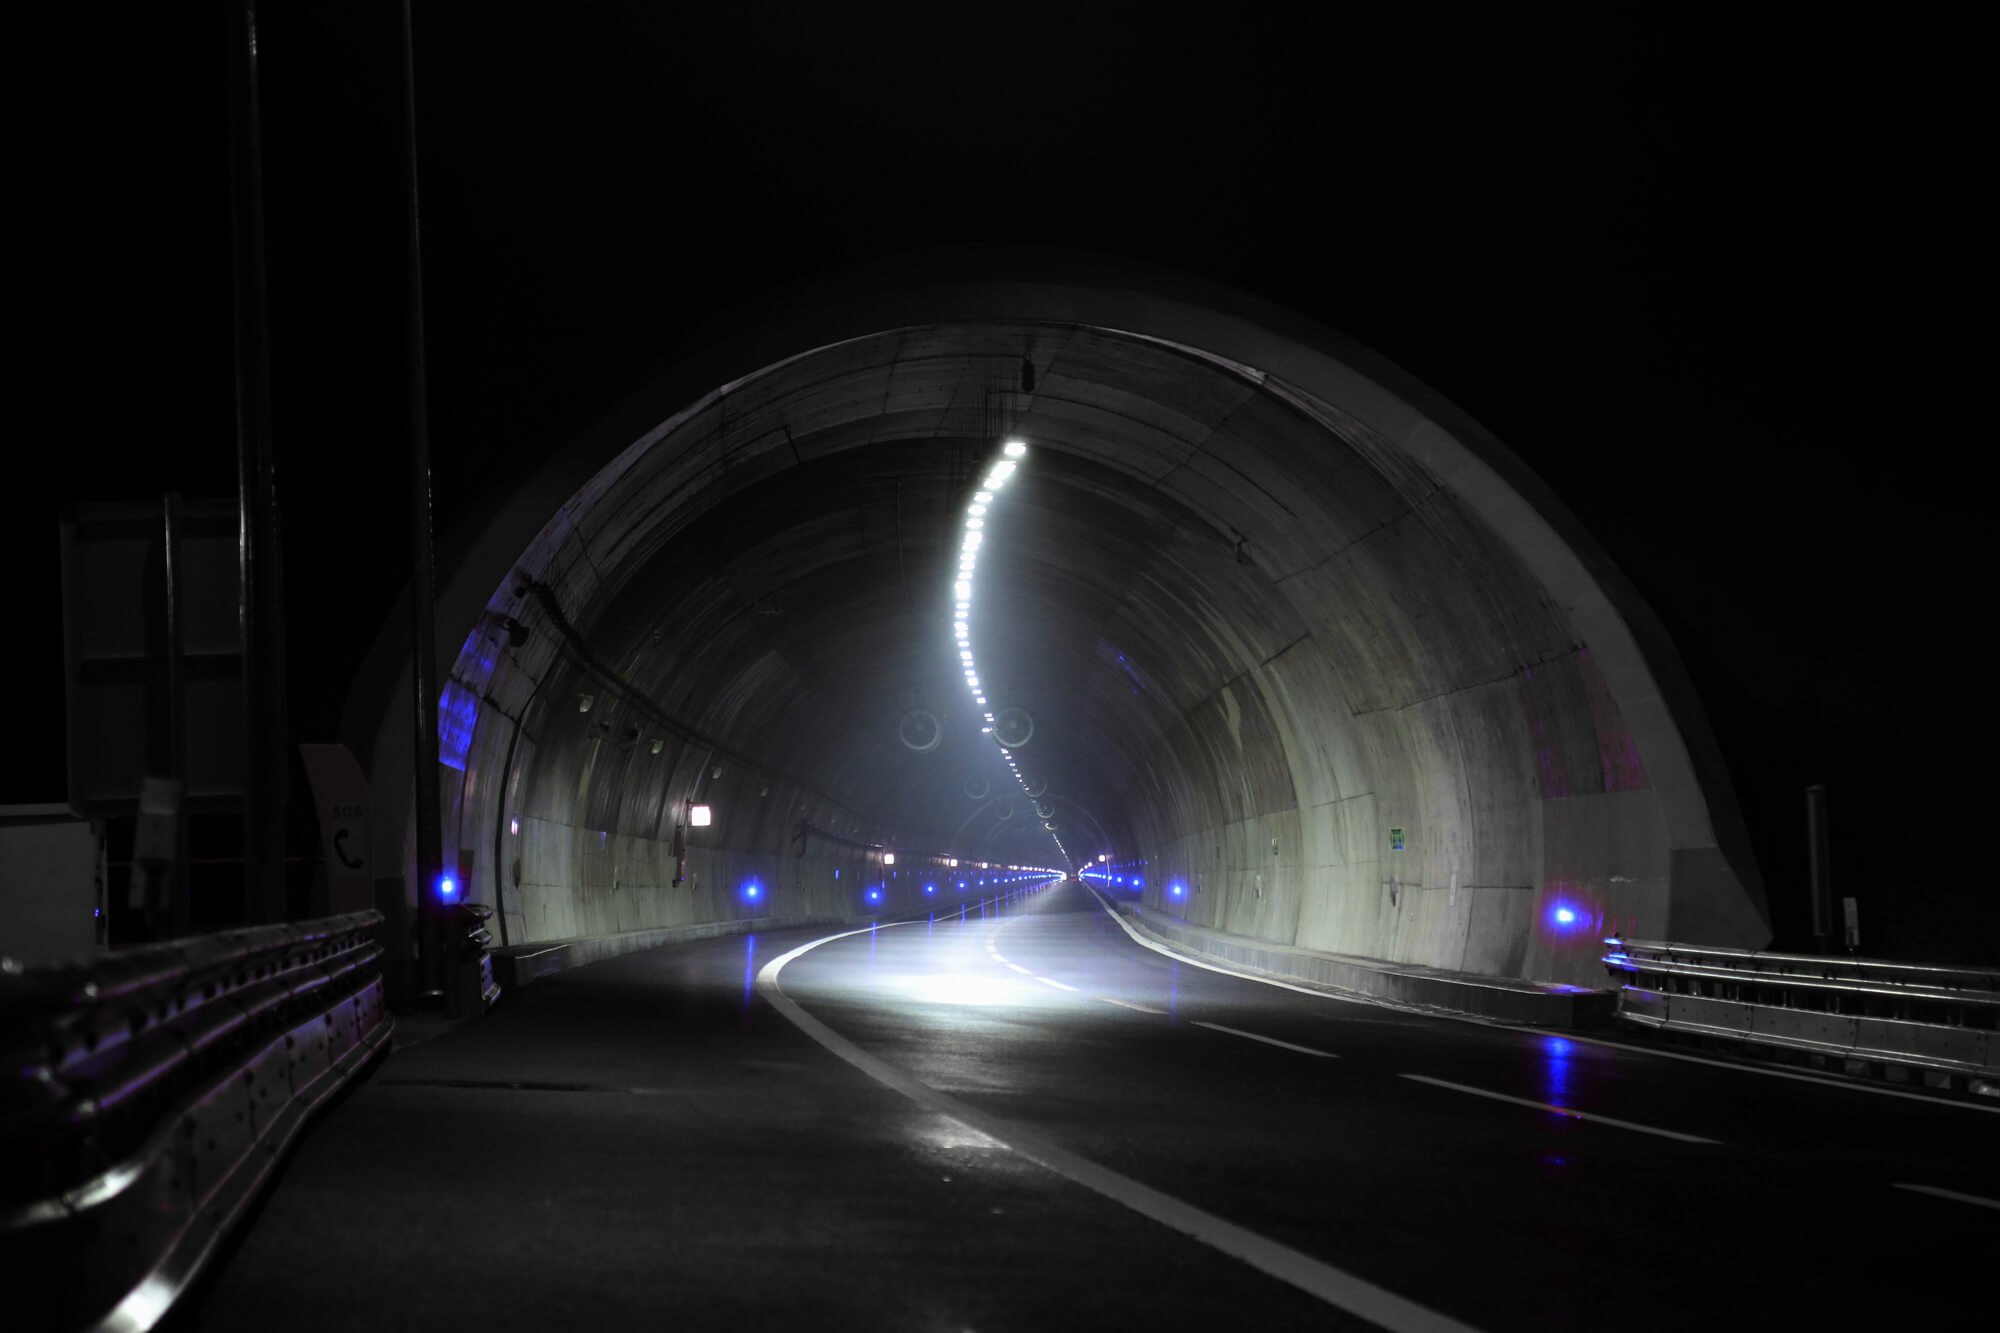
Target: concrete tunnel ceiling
<point>1261,644</point>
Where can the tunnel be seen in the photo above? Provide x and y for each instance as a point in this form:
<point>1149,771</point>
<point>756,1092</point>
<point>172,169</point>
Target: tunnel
<point>1259,618</point>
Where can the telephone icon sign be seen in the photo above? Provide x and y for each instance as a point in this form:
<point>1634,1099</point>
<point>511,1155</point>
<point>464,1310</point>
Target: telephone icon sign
<point>340,849</point>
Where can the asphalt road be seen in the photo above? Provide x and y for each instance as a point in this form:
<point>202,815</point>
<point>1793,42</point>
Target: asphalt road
<point>1029,1121</point>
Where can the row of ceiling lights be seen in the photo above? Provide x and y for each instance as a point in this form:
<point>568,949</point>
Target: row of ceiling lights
<point>968,563</point>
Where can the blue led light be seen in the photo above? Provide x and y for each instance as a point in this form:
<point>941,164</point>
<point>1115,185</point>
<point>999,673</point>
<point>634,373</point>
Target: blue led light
<point>874,895</point>
<point>930,888</point>
<point>458,715</point>
<point>1175,890</point>
<point>1564,915</point>
<point>447,888</point>
<point>752,891</point>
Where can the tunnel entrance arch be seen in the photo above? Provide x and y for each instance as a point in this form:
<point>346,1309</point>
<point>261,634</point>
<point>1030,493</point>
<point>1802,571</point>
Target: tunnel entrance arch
<point>1594,789</point>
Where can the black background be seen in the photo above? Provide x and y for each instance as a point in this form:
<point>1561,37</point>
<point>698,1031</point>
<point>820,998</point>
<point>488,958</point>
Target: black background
<point>1717,284</point>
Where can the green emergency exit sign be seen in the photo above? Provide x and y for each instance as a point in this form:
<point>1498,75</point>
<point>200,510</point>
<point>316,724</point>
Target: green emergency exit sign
<point>1395,840</point>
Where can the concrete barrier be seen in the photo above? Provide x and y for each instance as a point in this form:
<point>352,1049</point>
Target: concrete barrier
<point>523,963</point>
<point>1503,998</point>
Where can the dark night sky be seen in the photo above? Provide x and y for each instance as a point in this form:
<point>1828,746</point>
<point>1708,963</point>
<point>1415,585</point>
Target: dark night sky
<point>1705,279</point>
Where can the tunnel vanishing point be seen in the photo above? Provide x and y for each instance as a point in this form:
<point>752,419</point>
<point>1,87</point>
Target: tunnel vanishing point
<point>1315,657</point>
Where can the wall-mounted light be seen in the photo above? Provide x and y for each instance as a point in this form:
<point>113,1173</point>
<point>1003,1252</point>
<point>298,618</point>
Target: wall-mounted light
<point>514,826</point>
<point>700,816</point>
<point>584,701</point>
<point>659,746</point>
<point>447,888</point>
<point>888,858</point>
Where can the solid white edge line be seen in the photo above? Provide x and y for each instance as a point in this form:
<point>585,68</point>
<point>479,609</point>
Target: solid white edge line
<point>1343,998</point>
<point>1569,1111</point>
<point>1268,1041</point>
<point>1022,970</point>
<point>1051,981</point>
<point>1949,1194</point>
<point>1333,1285</point>
<point>1127,1004</point>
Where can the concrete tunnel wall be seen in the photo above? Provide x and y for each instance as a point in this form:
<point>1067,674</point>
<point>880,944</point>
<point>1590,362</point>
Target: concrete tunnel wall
<point>1335,619</point>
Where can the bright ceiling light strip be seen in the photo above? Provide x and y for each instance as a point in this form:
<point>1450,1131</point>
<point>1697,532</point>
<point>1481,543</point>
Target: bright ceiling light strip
<point>976,514</point>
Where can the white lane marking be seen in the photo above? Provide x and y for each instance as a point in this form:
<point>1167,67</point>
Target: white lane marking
<point>1345,998</point>
<point>1022,970</point>
<point>1950,1194</point>
<point>1821,1079</point>
<point>1335,1286</point>
<point>1569,1111</point>
<point>1127,1004</point>
<point>1191,961</point>
<point>1050,981</point>
<point>1268,1041</point>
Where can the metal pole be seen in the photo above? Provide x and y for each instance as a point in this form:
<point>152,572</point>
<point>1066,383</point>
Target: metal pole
<point>259,572</point>
<point>177,883</point>
<point>423,573</point>
<point>1817,846</point>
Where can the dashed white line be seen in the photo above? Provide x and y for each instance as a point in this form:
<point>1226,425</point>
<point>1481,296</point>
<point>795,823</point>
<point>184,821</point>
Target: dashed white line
<point>1268,1041</point>
<point>1949,1194</point>
<point>1335,1286</point>
<point>1823,1080</point>
<point>1569,1111</point>
<point>1442,1016</point>
<point>1050,981</point>
<point>1127,1004</point>
<point>1022,970</point>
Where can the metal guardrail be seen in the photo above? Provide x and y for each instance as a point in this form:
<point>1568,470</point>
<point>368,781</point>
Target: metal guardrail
<point>147,1094</point>
<point>1907,1021</point>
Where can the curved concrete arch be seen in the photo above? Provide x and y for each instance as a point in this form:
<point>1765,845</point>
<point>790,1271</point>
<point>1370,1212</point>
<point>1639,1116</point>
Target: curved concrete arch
<point>1302,545</point>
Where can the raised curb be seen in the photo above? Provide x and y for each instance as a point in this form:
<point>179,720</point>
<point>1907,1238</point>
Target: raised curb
<point>520,964</point>
<point>1503,998</point>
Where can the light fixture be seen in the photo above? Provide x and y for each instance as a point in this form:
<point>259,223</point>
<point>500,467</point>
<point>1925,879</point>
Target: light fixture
<point>1014,449</point>
<point>514,826</point>
<point>888,858</point>
<point>584,701</point>
<point>700,816</point>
